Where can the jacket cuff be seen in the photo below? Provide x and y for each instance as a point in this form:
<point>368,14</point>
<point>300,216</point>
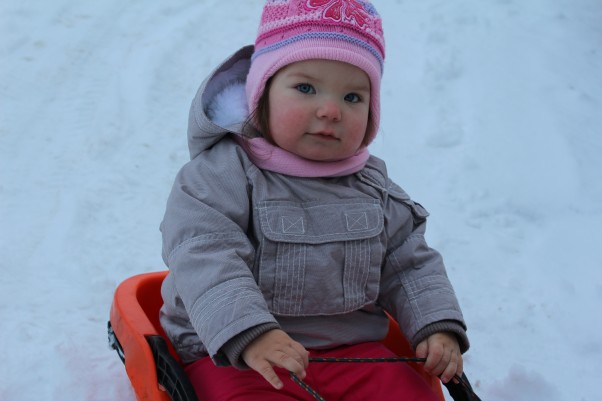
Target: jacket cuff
<point>233,349</point>
<point>449,326</point>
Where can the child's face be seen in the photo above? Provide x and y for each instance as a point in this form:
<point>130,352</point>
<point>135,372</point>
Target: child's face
<point>318,109</point>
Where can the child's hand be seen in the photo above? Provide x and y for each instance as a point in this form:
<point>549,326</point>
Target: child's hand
<point>443,356</point>
<point>276,348</point>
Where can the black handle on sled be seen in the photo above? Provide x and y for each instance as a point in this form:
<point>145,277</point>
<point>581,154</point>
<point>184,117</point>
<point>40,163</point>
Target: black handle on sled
<point>461,391</point>
<point>170,375</point>
<point>169,372</point>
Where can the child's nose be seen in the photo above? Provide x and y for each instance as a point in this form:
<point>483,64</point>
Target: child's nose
<point>330,110</point>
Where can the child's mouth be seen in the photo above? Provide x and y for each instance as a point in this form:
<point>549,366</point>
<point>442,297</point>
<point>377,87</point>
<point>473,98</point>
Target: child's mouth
<point>326,136</point>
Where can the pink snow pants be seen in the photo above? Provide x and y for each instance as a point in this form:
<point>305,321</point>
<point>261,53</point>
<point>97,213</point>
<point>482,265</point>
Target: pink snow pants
<point>336,381</point>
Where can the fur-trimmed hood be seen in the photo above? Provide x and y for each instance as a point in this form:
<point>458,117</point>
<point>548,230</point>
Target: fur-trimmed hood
<point>220,106</point>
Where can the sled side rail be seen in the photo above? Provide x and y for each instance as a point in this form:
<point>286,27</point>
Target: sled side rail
<point>132,327</point>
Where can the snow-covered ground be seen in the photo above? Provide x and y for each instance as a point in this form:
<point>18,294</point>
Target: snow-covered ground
<point>492,118</point>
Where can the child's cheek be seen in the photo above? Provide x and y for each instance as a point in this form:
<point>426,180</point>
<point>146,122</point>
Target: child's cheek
<point>293,118</point>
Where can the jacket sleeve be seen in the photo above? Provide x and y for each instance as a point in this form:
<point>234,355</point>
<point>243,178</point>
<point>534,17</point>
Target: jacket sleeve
<point>208,252</point>
<point>415,288</point>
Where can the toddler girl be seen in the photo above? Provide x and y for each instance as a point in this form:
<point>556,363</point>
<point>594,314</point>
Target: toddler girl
<point>285,238</point>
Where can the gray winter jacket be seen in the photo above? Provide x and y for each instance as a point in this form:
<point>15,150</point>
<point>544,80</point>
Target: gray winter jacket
<point>251,250</point>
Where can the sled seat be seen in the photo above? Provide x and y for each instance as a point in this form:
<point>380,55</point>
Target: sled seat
<point>154,368</point>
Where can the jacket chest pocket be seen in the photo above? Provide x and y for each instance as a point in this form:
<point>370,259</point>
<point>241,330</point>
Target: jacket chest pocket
<point>319,259</point>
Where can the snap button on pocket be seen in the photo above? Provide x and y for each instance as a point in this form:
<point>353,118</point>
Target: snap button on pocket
<point>292,225</point>
<point>357,221</point>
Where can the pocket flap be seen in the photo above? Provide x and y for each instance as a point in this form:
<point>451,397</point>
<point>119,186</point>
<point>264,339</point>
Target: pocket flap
<point>319,222</point>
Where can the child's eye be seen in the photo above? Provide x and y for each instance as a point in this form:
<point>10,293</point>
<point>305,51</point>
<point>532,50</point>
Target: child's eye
<point>353,98</point>
<point>305,88</point>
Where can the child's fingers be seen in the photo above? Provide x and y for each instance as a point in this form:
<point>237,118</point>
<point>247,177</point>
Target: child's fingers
<point>443,356</point>
<point>422,349</point>
<point>449,372</point>
<point>437,360</point>
<point>302,354</point>
<point>280,359</point>
<point>450,365</point>
<point>460,369</point>
<point>264,368</point>
<point>276,348</point>
<point>291,361</point>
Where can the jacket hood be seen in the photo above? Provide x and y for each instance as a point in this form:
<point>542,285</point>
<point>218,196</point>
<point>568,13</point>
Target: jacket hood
<point>220,109</point>
<point>210,119</point>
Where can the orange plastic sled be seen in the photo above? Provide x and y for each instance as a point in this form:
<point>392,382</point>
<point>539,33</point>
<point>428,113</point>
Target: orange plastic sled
<point>150,361</point>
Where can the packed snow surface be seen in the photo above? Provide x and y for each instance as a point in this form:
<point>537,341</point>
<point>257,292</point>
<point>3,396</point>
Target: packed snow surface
<point>492,119</point>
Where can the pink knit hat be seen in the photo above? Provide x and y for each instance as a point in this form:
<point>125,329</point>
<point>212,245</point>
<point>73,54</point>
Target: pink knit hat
<point>295,30</point>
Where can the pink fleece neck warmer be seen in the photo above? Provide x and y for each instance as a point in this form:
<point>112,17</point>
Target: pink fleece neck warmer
<point>273,158</point>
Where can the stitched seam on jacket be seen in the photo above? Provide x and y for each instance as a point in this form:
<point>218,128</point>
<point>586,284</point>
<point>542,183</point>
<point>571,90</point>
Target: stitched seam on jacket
<point>412,286</point>
<point>290,273</point>
<point>219,294</point>
<point>404,278</point>
<point>204,238</point>
<point>219,298</point>
<point>357,265</point>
